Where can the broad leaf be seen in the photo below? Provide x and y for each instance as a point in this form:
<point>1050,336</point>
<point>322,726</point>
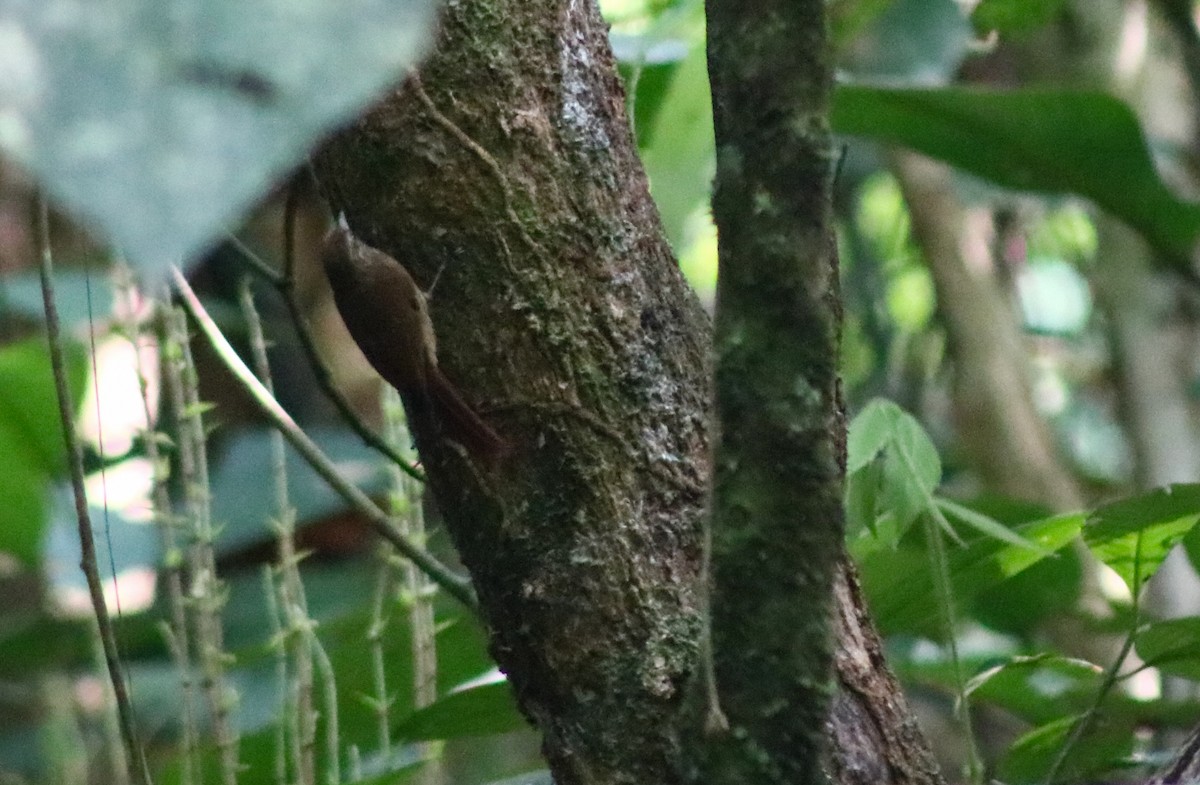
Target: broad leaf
<point>1084,143</point>
<point>901,590</point>
<point>1133,536</point>
<point>159,123</point>
<point>1038,689</point>
<point>1029,758</point>
<point>908,471</point>
<point>1172,646</point>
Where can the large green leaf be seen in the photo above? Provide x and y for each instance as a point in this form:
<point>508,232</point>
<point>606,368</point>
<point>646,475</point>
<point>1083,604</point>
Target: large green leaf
<point>1133,535</point>
<point>1039,689</point>
<point>900,587</point>
<point>158,123</point>
<point>1083,143</point>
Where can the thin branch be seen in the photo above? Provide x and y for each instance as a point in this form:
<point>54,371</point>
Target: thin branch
<point>206,591</point>
<point>456,586</point>
<point>291,586</point>
<point>137,762</point>
<point>175,630</point>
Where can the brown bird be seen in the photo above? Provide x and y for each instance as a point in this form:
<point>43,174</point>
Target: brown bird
<point>388,317</point>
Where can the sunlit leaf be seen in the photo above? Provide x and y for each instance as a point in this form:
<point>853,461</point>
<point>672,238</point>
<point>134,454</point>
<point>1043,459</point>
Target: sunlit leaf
<point>1133,535</point>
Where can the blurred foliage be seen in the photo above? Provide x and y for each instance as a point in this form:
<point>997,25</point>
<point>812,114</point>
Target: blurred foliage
<point>1044,159</point>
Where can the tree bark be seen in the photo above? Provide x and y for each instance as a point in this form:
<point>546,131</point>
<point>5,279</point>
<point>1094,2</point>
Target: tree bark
<point>777,499</point>
<point>562,317</point>
<point>509,167</point>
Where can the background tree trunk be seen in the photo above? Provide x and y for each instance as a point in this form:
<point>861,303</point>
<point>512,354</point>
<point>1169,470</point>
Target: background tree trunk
<point>561,314</point>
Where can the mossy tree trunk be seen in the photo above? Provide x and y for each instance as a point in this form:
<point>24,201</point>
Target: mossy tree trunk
<point>777,501</point>
<point>561,314</point>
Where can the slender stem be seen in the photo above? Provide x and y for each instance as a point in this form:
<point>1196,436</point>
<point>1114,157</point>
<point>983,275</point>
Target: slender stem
<point>381,701</point>
<point>175,631</point>
<point>945,597</point>
<point>87,546</point>
<point>443,576</point>
<point>333,772</point>
<point>207,591</point>
<point>286,718</point>
<point>936,526</point>
<point>1111,674</point>
<point>291,587</point>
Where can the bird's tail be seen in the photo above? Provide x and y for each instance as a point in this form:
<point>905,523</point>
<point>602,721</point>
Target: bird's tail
<point>459,422</point>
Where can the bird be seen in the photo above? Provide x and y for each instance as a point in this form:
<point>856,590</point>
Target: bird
<point>387,315</point>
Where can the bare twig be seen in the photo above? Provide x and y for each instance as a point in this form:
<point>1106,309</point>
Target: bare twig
<point>457,587</point>
<point>137,761</point>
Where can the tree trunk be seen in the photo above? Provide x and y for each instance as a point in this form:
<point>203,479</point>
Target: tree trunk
<point>780,459</point>
<point>509,167</point>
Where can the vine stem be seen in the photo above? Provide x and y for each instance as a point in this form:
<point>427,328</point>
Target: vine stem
<point>935,526</point>
<point>1111,674</point>
<point>443,576</point>
<point>87,545</point>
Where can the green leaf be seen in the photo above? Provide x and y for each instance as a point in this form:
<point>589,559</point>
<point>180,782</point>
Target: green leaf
<point>1084,143</point>
<point>29,403</point>
<point>911,468</point>
<point>1172,646</point>
<point>987,526</point>
<point>1029,759</point>
<point>475,711</point>
<point>159,124</point>
<point>1014,17</point>
<point>1133,535</point>
<point>869,432</point>
<point>32,450</point>
<point>1038,689</point>
<point>862,500</point>
<point>1020,604</point>
<point>900,587</point>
